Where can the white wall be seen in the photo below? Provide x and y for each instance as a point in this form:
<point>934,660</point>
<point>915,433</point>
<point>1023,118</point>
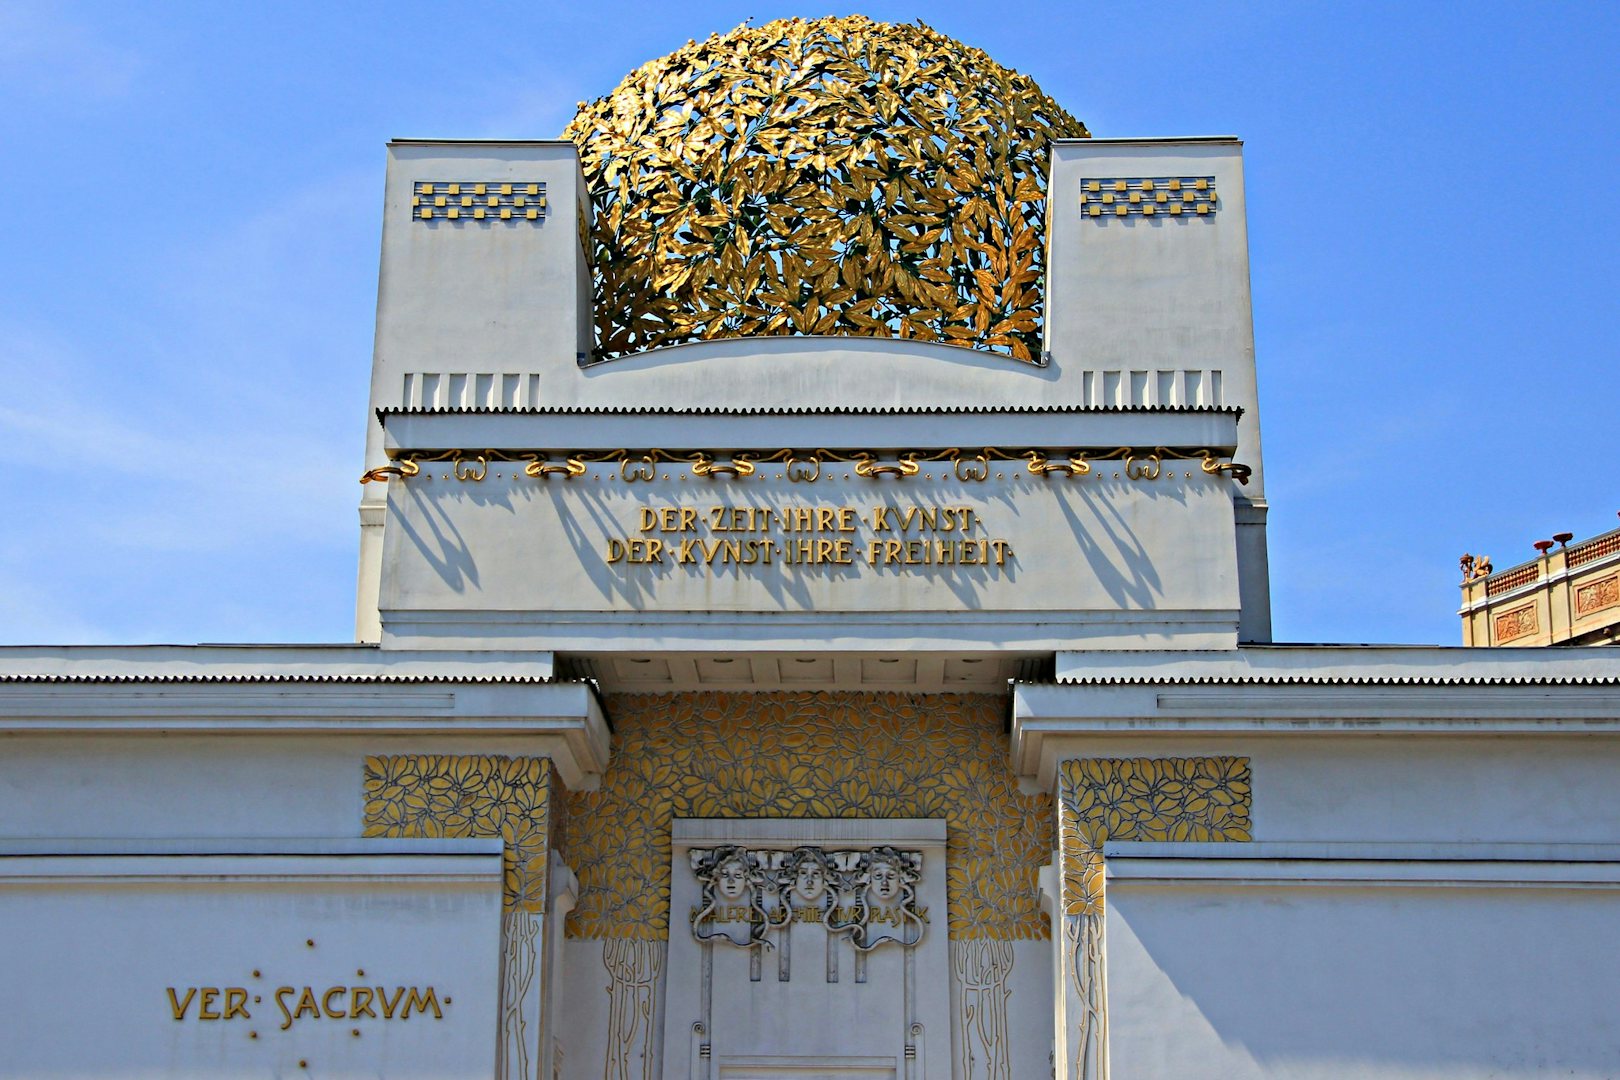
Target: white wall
<point>1284,980</point>
<point>92,946</point>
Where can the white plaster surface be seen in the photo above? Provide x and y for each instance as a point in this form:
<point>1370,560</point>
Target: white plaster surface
<point>1095,551</point>
<point>1281,980</point>
<point>91,945</point>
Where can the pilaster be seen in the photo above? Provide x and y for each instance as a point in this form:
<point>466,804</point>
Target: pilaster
<point>1102,799</point>
<point>441,795</point>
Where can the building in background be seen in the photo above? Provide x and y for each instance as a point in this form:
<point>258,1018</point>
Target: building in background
<point>814,622</point>
<point>1569,594</point>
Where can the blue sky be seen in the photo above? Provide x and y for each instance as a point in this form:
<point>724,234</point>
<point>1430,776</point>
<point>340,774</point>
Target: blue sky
<point>189,259</point>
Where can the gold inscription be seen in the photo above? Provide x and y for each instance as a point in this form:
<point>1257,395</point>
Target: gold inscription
<point>802,536</point>
<point>296,1003</point>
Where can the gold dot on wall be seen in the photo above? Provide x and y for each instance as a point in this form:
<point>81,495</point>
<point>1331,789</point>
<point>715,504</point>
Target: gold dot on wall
<point>310,942</point>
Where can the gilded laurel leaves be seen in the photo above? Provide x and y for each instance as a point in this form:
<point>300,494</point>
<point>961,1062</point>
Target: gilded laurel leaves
<point>831,176</point>
<point>436,795</point>
<point>807,755</point>
<point>1165,799</point>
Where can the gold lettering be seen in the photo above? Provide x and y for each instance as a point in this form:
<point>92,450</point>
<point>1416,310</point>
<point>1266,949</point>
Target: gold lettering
<point>914,548</point>
<point>236,1003</point>
<point>360,1003</point>
<point>422,1003</point>
<point>205,1006</point>
<point>287,1016</point>
<point>387,1005</point>
<point>326,1002</point>
<point>179,1006</point>
<point>307,1004</point>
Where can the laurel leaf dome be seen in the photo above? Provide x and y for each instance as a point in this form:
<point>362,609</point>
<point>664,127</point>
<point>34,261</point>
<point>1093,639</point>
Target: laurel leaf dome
<point>825,176</point>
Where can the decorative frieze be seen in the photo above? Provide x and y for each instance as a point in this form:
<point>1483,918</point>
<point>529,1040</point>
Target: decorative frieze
<point>806,466</point>
<point>869,897</point>
<point>1597,595</point>
<point>1516,623</point>
<point>478,200</point>
<point>1148,196</point>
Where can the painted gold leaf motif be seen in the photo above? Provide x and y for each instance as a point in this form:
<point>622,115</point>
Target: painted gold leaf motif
<point>828,176</point>
<point>1167,799</point>
<point>807,755</point>
<point>415,796</point>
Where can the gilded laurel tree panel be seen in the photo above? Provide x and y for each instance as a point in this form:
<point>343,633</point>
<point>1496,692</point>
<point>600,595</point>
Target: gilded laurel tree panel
<point>415,796</point>
<point>830,755</point>
<point>1165,799</point>
<point>826,176</point>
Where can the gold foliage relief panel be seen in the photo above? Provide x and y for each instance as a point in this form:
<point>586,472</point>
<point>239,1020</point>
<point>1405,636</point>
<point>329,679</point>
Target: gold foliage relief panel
<point>1179,799</point>
<point>414,796</point>
<point>824,176</point>
<point>835,755</point>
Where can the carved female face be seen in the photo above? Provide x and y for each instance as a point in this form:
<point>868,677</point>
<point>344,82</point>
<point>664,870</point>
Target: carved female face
<point>885,880</point>
<point>810,881</point>
<point>731,879</point>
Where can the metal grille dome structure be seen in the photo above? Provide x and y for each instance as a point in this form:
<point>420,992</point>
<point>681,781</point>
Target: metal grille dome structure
<point>832,176</point>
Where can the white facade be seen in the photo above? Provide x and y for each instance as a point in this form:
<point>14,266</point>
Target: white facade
<point>1261,860</point>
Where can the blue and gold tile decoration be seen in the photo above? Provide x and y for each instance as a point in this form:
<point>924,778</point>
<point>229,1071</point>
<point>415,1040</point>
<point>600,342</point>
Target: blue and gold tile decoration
<point>1148,196</point>
<point>478,200</point>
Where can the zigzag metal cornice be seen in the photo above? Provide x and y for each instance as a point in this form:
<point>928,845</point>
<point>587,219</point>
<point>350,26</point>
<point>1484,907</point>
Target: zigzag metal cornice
<point>816,410</point>
<point>1328,680</point>
<point>197,678</point>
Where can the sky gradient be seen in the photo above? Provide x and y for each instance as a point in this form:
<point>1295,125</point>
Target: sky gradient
<point>189,272</point>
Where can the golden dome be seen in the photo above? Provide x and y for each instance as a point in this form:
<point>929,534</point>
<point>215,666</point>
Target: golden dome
<point>829,176</point>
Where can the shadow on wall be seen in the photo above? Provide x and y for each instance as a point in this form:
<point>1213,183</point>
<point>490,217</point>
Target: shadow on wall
<point>1063,540</point>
